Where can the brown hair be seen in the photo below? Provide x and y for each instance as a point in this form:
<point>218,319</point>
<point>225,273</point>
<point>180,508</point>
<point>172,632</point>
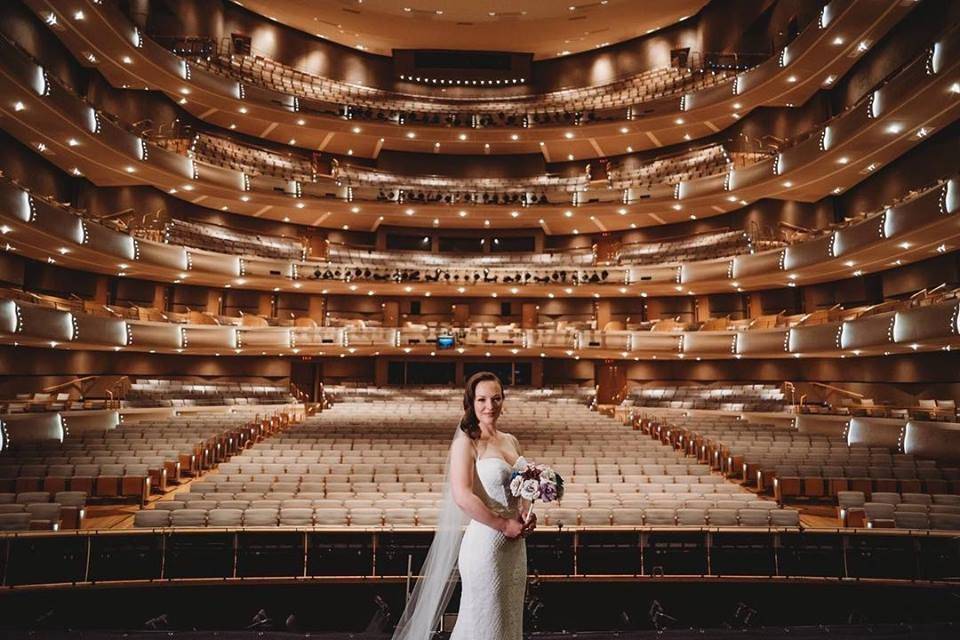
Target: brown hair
<point>469,423</point>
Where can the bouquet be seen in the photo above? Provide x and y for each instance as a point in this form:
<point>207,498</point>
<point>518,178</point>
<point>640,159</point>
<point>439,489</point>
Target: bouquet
<point>532,482</point>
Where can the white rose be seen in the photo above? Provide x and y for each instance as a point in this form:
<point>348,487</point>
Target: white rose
<point>530,489</point>
<point>515,485</point>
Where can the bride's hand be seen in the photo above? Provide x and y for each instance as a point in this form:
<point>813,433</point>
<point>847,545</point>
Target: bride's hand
<point>512,528</point>
<point>530,525</point>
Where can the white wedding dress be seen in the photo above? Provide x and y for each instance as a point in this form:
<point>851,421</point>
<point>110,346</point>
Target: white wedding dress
<point>493,568</point>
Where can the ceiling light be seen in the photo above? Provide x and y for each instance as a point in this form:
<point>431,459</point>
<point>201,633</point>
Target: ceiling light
<point>514,136</point>
<point>624,130</point>
<point>130,169</point>
<point>677,207</point>
<point>904,245</point>
<point>843,160</point>
<point>411,134</point>
<point>243,109</point>
<point>895,128</point>
<point>301,122</point>
<point>792,79</point>
<point>245,198</point>
<point>126,60</point>
<point>568,135</point>
<point>18,106</point>
<point>838,40</point>
<point>788,184</point>
<point>568,214</point>
<point>829,79</point>
<point>462,136</point>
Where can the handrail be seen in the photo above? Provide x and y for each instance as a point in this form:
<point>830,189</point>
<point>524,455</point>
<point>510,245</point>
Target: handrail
<point>846,392</point>
<point>67,384</point>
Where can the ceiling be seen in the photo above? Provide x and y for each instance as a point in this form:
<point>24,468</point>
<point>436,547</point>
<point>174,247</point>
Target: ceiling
<point>546,28</point>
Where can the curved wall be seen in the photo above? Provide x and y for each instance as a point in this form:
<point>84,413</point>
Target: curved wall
<point>718,27</point>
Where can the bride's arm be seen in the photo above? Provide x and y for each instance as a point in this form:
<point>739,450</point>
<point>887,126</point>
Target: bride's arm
<point>461,487</point>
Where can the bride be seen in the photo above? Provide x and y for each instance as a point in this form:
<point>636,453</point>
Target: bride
<point>490,552</point>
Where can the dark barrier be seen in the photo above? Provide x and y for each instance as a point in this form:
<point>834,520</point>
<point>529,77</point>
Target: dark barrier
<point>43,558</point>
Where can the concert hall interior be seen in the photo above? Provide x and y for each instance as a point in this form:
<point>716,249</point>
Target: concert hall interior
<point>251,252</point>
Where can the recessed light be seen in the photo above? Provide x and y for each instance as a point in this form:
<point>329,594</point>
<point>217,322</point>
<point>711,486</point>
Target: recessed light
<point>568,135</point>
<point>411,134</point>
<point>126,60</point>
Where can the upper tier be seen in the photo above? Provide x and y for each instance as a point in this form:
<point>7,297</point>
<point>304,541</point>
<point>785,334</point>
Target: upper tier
<point>627,179</point>
<point>616,101</point>
<point>915,228</point>
<point>822,52</point>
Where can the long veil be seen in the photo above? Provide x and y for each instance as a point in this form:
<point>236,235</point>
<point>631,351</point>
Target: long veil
<point>438,577</point>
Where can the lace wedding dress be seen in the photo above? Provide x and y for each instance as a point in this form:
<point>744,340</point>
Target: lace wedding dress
<point>493,568</point>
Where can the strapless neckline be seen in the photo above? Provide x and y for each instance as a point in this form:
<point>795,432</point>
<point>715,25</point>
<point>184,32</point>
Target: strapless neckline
<point>495,458</point>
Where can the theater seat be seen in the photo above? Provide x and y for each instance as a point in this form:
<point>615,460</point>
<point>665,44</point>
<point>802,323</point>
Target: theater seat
<point>722,517</point>
<point>188,518</point>
<point>427,516</point>
<point>784,518</point>
<point>221,517</point>
<point>151,519</point>
<point>366,517</point>
<point>595,516</point>
<point>689,517</point>
<point>911,520</point>
<point>754,517</point>
<point>296,517</point>
<point>260,517</point>
<point>945,521</point>
<point>660,517</point>
<point>14,521</point>
<point>562,517</point>
<point>628,516</point>
<point>331,516</point>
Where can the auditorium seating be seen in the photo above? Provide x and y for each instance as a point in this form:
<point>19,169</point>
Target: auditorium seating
<point>213,237</point>
<point>795,465</point>
<point>376,458</point>
<point>726,397</point>
<point>670,170</point>
<point>165,392</point>
<point>132,459</point>
<point>565,107</point>
<point>61,510</point>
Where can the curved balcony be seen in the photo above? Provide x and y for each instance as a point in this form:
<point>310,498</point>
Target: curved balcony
<point>614,102</point>
<point>921,324</point>
<point>921,98</point>
<point>824,50</point>
<point>626,181</point>
<point>912,230</point>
